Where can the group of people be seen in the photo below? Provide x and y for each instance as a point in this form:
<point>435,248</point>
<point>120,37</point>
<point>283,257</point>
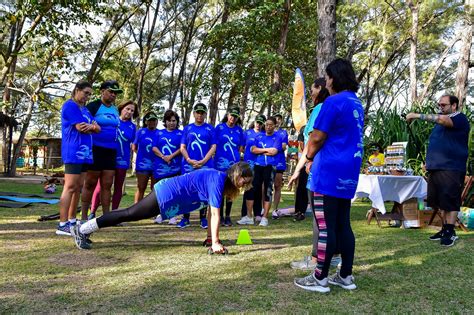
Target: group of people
<point>200,168</point>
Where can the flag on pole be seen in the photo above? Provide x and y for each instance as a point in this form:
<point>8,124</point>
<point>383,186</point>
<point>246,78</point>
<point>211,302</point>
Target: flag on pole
<point>298,106</point>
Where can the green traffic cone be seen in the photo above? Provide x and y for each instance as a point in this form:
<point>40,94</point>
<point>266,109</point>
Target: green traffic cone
<point>244,238</point>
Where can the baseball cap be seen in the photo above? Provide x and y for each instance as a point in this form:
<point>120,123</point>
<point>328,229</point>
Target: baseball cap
<point>278,115</point>
<point>235,111</point>
<point>200,107</point>
<point>111,85</point>
<point>151,116</point>
<point>260,118</point>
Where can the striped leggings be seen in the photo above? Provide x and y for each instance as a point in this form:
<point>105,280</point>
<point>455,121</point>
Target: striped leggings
<point>333,219</point>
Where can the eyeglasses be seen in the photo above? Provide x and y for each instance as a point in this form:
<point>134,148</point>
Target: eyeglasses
<point>113,92</point>
<point>443,105</point>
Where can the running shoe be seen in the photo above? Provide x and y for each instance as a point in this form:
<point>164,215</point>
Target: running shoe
<point>299,217</point>
<point>245,220</point>
<point>263,222</point>
<point>305,264</point>
<point>158,219</point>
<point>64,230</point>
<point>227,221</point>
<point>80,239</point>
<point>173,221</point>
<point>275,215</point>
<point>438,236</point>
<point>448,238</point>
<point>203,223</point>
<point>310,283</point>
<point>345,283</point>
<point>183,223</point>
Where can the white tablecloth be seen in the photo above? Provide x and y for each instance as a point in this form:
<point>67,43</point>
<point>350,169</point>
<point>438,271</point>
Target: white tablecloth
<point>380,188</point>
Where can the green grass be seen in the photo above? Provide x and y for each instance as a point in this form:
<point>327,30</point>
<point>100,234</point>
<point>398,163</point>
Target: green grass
<point>143,267</point>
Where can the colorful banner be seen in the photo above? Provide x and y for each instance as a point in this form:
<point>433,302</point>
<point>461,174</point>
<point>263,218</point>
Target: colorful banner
<point>298,106</point>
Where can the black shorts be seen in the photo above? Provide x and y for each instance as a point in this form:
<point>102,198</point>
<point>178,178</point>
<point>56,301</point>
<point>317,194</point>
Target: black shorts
<point>445,189</point>
<point>104,159</point>
<point>279,171</point>
<point>75,168</point>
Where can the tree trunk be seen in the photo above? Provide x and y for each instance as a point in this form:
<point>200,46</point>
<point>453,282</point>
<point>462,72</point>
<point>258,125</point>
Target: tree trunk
<point>413,50</point>
<point>463,63</point>
<point>24,129</point>
<point>118,21</point>
<point>216,72</point>
<point>245,92</point>
<point>276,84</point>
<point>326,42</point>
<point>145,55</point>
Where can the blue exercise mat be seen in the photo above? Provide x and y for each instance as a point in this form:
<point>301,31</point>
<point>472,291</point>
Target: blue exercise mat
<point>31,200</point>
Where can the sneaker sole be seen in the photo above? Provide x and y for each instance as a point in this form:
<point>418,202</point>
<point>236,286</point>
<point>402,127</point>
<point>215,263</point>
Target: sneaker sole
<point>313,288</point>
<point>454,241</point>
<point>61,233</point>
<point>347,287</point>
<point>245,223</point>
<point>434,239</point>
<point>78,241</point>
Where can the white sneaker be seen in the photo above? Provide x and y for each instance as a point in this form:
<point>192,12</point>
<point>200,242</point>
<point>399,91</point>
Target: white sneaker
<point>158,219</point>
<point>345,283</point>
<point>245,220</point>
<point>312,284</point>
<point>264,222</point>
<point>305,264</point>
<point>173,221</point>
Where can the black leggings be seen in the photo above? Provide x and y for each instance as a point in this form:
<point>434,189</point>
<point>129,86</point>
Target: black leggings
<point>228,207</point>
<point>301,196</point>
<point>144,209</point>
<point>202,214</point>
<point>333,217</point>
<point>263,175</point>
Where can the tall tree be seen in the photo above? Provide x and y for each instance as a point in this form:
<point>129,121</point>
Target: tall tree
<point>413,49</point>
<point>216,71</point>
<point>465,53</point>
<point>326,43</point>
<point>276,82</point>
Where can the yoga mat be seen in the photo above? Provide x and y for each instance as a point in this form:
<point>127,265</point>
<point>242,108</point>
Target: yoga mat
<point>17,194</point>
<point>30,200</point>
<point>7,204</point>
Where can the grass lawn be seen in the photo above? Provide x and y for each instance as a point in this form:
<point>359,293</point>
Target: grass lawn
<point>143,267</point>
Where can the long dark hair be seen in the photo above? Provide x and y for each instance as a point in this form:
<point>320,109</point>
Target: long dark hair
<point>342,75</point>
<point>322,95</point>
<point>239,169</point>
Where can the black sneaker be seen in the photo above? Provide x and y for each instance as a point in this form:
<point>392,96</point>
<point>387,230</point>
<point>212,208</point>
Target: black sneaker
<point>227,221</point>
<point>437,236</point>
<point>299,217</point>
<point>448,239</point>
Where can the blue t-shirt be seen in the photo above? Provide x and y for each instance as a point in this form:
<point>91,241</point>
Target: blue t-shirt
<point>249,140</point>
<point>144,142</point>
<point>76,147</point>
<point>190,192</point>
<point>448,147</point>
<point>335,170</point>
<point>280,157</point>
<point>229,141</point>
<point>167,142</point>
<point>309,126</point>
<point>198,141</point>
<point>126,134</point>
<point>263,141</point>
<point>108,120</point>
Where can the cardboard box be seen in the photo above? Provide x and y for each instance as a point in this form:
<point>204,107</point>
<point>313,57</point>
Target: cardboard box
<point>410,209</point>
<point>424,218</point>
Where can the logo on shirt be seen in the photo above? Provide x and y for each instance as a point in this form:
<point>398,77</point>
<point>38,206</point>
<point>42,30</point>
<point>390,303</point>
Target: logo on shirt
<point>197,142</point>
